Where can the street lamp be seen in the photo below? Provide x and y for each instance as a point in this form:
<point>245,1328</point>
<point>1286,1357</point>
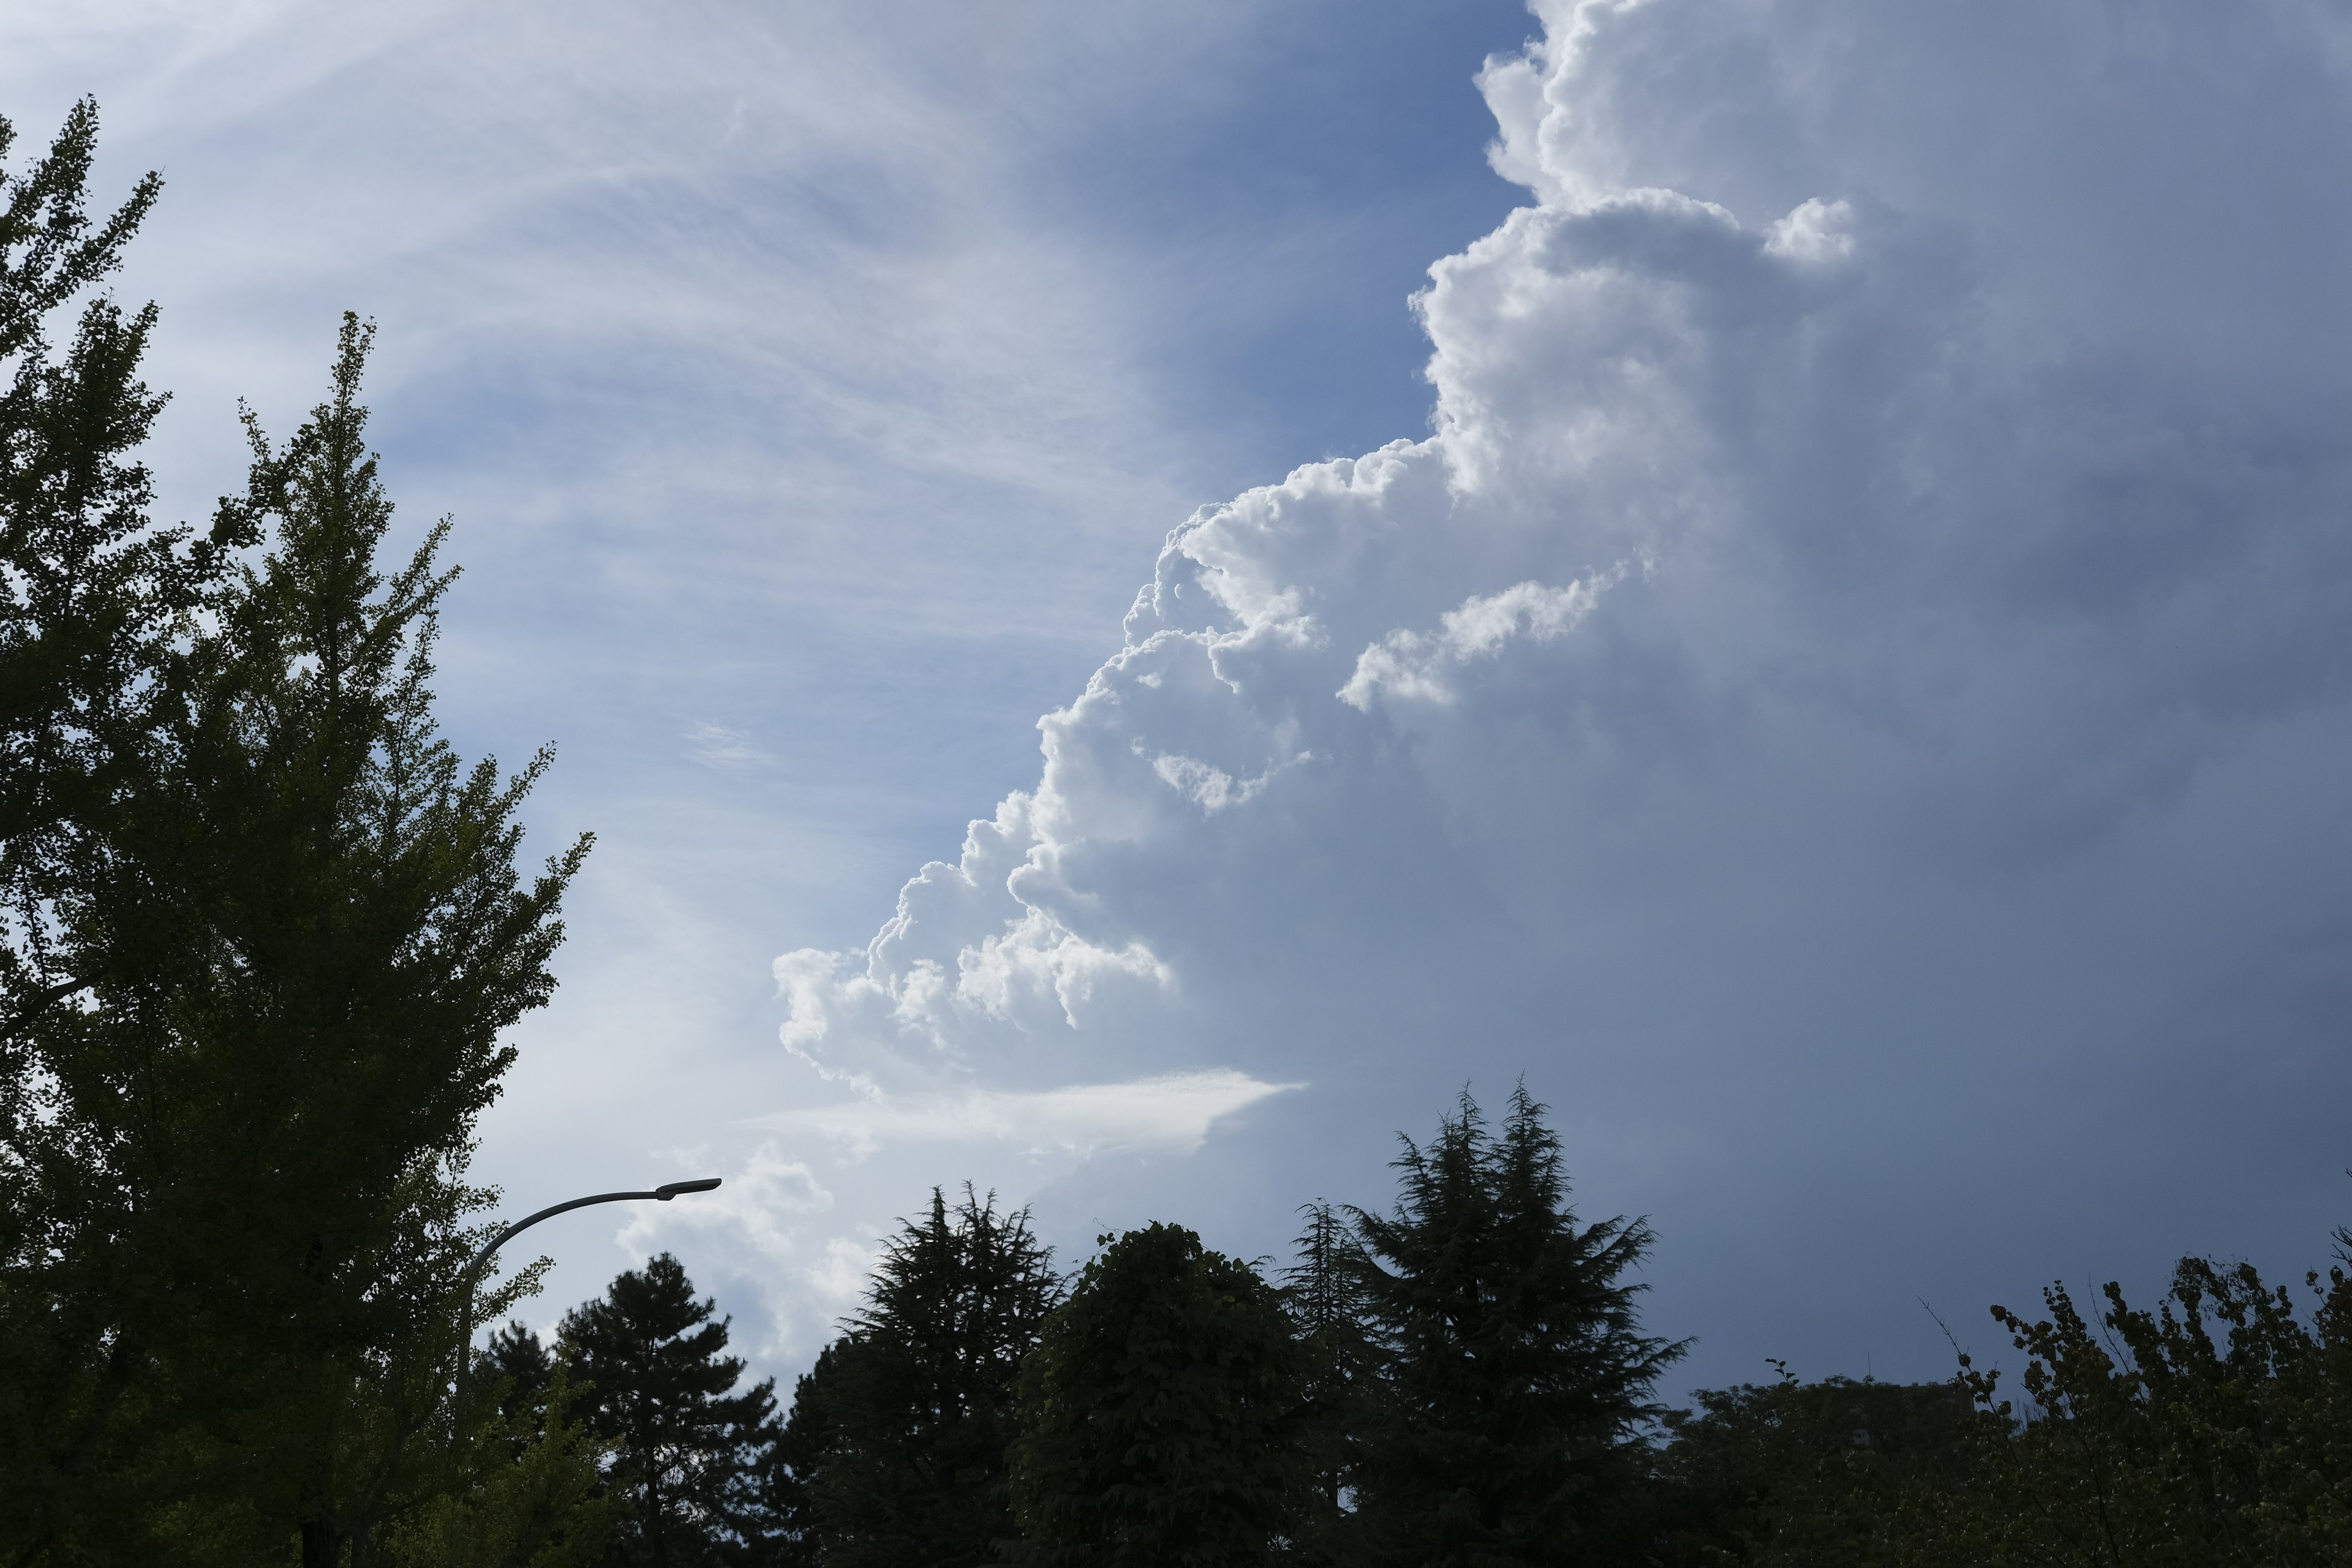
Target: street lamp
<point>662,1194</point>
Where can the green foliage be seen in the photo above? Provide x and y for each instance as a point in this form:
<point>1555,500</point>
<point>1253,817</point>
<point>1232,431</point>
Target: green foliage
<point>1830,1474</point>
<point>260,966</point>
<point>1515,1380</point>
<point>1162,1416</point>
<point>88,587</point>
<point>544,1506</point>
<point>87,591</point>
<point>2216,1429</point>
<point>1323,1291</point>
<point>901,1431</point>
<point>686,1451</point>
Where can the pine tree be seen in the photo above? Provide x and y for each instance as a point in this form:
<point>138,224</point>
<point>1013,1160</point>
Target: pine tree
<point>1323,1292</point>
<point>689,1451</point>
<point>518,1369</point>
<point>907,1418</point>
<point>1515,1380</point>
<point>1162,1416</point>
<point>295,932</point>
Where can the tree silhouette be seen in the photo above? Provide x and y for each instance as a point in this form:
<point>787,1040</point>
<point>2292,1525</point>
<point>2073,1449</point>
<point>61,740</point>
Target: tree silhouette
<point>1515,1382</point>
<point>1162,1416</point>
<point>688,1450</point>
<point>903,1424</point>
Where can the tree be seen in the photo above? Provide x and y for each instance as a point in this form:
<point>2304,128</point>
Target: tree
<point>530,1493</point>
<point>807,1444</point>
<point>1323,1292</point>
<point>87,592</point>
<point>687,1451</point>
<point>528,1489</point>
<point>1833,1474</point>
<point>2216,1429</point>
<point>1515,1380</point>
<point>908,1416</point>
<point>88,586</point>
<point>517,1364</point>
<point>1162,1416</point>
<point>292,932</point>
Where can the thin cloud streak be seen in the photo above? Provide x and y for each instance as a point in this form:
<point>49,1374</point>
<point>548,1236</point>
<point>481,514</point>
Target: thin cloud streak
<point>1172,1113</point>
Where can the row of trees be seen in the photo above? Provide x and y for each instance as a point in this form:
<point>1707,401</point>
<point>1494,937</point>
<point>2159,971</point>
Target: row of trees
<point>262,934</point>
<point>1462,1382</point>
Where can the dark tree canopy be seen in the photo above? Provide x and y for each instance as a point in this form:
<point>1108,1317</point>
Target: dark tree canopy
<point>1515,1380</point>
<point>1813,1475</point>
<point>907,1418</point>
<point>688,1448</point>
<point>1324,1293</point>
<point>264,934</point>
<point>1162,1415</point>
<point>89,586</point>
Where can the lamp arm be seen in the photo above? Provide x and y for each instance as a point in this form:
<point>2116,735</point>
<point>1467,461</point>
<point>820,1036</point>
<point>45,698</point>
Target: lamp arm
<point>662,1194</point>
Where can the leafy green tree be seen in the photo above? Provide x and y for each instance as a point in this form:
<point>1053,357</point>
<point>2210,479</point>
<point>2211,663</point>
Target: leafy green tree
<point>687,1451</point>
<point>89,590</point>
<point>88,586</point>
<point>1515,1379</point>
<point>294,932</point>
<point>908,1416</point>
<point>2214,1430</point>
<point>1163,1422</point>
<point>1831,1474</point>
<point>528,1493</point>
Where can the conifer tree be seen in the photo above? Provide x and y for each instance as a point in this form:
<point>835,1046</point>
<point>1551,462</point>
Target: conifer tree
<point>689,1451</point>
<point>1323,1291</point>
<point>907,1418</point>
<point>294,932</point>
<point>1162,1416</point>
<point>1515,1380</point>
<point>519,1369</point>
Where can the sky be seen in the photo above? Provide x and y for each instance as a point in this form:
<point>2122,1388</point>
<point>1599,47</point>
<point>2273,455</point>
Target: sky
<point>1139,596</point>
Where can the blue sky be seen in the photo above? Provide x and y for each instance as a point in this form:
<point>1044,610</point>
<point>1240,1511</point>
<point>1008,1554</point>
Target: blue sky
<point>1775,566</point>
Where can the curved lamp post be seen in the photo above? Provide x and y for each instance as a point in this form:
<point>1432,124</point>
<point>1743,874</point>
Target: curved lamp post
<point>662,1194</point>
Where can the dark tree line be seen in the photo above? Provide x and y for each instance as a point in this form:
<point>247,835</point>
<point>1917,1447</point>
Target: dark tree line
<point>261,936</point>
<point>1462,1381</point>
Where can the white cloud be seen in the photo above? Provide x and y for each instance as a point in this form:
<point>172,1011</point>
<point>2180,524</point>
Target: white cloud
<point>1407,665</point>
<point>1862,635</point>
<point>1169,1114</point>
<point>1762,706</point>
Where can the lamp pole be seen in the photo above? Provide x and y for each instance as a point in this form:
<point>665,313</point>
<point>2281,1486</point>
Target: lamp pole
<point>662,1194</point>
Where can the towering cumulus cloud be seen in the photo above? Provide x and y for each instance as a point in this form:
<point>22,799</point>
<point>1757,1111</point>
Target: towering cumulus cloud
<point>1848,697</point>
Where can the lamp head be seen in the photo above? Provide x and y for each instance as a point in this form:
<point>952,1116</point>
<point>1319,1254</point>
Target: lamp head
<point>669,1190</point>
